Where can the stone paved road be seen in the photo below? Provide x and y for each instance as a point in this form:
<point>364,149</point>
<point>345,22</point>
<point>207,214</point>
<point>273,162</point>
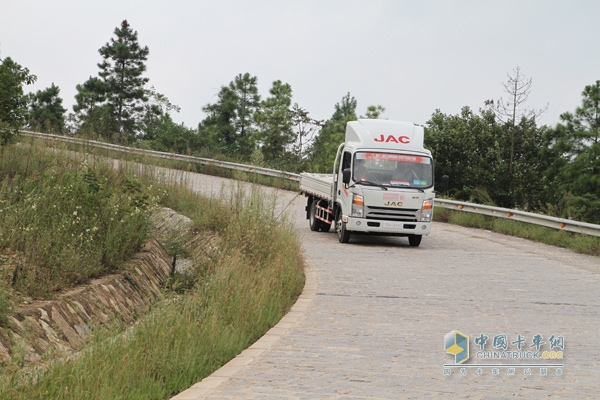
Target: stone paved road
<point>372,319</point>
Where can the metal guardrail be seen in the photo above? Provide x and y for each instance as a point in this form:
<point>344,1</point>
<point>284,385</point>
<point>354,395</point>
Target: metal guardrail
<point>536,219</point>
<point>169,156</point>
<point>523,216</point>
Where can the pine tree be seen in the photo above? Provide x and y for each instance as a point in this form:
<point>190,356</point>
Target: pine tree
<point>323,150</point>
<point>576,143</point>
<point>275,122</point>
<point>46,112</point>
<point>248,101</point>
<point>119,91</point>
<point>229,126</point>
<point>122,71</point>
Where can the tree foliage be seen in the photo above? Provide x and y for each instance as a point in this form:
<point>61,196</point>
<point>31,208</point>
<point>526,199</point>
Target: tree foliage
<point>466,148</point>
<point>325,145</point>
<point>122,71</point>
<point>229,127</point>
<point>474,151</point>
<point>174,138</point>
<point>305,128</point>
<point>13,102</point>
<point>374,112</point>
<point>156,110</point>
<point>275,124</point>
<point>245,89</point>
<point>515,115</point>
<point>46,113</point>
<point>217,130</point>
<point>119,92</point>
<point>574,149</point>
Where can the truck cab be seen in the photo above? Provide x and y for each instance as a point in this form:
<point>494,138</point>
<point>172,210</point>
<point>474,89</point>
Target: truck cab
<point>383,181</point>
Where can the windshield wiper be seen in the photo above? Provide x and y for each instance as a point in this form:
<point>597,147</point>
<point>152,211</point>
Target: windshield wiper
<point>369,183</point>
<point>407,187</point>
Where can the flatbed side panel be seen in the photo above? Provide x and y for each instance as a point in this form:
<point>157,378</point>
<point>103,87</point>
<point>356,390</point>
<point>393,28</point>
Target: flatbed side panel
<point>318,185</point>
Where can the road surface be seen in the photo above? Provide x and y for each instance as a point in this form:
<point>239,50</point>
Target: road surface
<point>373,316</point>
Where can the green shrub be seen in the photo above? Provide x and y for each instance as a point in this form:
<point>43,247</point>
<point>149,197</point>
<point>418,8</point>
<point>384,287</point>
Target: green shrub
<point>69,220</point>
<point>244,284</point>
<point>580,243</point>
<point>5,307</point>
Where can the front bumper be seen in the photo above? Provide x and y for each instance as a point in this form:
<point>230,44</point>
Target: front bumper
<point>375,226</point>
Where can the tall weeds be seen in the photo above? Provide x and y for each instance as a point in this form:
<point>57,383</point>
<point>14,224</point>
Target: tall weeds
<point>579,243</point>
<point>64,221</point>
<point>242,284</point>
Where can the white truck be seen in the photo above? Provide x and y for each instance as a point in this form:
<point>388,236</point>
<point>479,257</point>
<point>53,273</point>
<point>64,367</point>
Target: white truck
<point>382,183</point>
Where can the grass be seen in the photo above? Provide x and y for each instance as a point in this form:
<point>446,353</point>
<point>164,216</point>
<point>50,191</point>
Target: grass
<point>579,243</point>
<point>64,221</point>
<point>240,286</point>
<point>177,164</point>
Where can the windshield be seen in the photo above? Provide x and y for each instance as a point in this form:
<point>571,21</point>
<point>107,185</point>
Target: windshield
<point>392,169</point>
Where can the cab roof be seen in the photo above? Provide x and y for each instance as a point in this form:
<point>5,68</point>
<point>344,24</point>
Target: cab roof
<point>385,134</point>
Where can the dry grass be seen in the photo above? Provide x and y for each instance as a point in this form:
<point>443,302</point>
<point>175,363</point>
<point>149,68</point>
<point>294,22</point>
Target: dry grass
<point>240,286</point>
<point>579,243</point>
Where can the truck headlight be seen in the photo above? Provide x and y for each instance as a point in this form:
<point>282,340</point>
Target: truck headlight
<point>358,206</point>
<point>427,211</point>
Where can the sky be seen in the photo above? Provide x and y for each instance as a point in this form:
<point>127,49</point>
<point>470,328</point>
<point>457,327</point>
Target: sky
<point>411,57</point>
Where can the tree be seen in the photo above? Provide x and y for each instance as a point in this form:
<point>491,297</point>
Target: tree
<point>119,90</point>
<point>89,95</point>
<point>305,128</point>
<point>230,127</point>
<point>46,112</point>
<point>217,130</point>
<point>466,148</point>
<point>510,111</point>
<point>583,127</point>
<point>323,150</point>
<point>275,125</point>
<point>374,112</point>
<point>583,184</point>
<point>13,103</point>
<point>526,184</point>
<point>156,111</point>
<point>472,149</point>
<point>248,101</point>
<point>174,138</point>
<point>93,116</point>
<point>575,147</point>
<point>345,108</point>
<point>122,71</point>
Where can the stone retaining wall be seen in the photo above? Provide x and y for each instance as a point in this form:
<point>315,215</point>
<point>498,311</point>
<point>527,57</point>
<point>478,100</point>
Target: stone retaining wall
<point>62,325</point>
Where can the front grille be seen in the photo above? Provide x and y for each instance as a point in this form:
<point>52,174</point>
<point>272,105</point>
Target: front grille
<point>392,214</point>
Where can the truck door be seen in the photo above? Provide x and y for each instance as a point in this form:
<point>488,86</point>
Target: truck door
<point>342,190</point>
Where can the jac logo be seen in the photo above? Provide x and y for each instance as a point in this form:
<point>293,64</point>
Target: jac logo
<point>393,204</point>
<point>393,139</point>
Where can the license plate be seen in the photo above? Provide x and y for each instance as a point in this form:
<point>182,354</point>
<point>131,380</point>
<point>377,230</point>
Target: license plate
<point>393,225</point>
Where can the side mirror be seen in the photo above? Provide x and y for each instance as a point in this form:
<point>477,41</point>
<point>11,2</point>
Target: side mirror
<point>346,176</point>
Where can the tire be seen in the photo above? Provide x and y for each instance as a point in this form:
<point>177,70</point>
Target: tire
<point>415,240</point>
<point>315,224</point>
<point>340,227</point>
<point>325,227</point>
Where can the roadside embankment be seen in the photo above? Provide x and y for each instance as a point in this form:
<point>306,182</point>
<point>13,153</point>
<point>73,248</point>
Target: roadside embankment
<point>61,326</point>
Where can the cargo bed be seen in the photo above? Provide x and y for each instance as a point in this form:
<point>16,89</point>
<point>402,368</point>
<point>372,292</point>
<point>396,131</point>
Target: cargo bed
<point>318,185</point>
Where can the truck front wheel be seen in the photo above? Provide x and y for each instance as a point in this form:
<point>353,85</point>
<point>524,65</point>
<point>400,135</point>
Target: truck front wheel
<point>415,240</point>
<point>340,227</point>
